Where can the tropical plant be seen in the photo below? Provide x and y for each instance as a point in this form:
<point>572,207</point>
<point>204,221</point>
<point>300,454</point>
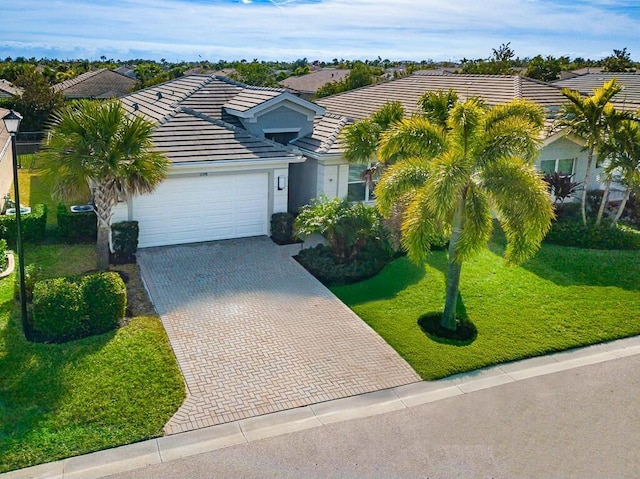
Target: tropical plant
<point>561,186</point>
<point>346,226</point>
<point>623,148</point>
<point>95,145</point>
<point>586,117</point>
<point>457,173</point>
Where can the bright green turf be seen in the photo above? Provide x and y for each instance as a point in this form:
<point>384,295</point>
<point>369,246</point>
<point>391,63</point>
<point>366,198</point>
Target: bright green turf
<point>562,298</point>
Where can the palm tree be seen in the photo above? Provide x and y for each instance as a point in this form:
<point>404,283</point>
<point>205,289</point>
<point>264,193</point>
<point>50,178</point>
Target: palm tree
<point>624,147</point>
<point>459,171</point>
<point>96,145</point>
<point>586,117</point>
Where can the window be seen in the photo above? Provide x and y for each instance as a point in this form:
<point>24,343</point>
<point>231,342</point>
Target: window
<point>358,189</point>
<point>563,166</point>
<point>282,137</point>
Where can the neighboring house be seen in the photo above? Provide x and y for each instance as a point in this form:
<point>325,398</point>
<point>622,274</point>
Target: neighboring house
<point>8,89</point>
<point>6,159</point>
<point>103,83</point>
<point>229,160</point>
<point>240,153</point>
<point>307,85</point>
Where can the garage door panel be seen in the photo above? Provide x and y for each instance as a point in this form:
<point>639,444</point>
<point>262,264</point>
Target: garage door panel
<point>186,210</point>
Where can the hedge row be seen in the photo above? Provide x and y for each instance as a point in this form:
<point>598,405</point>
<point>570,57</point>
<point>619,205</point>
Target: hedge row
<point>76,227</point>
<point>34,225</point>
<point>605,236</point>
<point>71,308</point>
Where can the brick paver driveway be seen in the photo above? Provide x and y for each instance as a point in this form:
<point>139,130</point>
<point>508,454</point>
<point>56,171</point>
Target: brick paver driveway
<point>255,333</point>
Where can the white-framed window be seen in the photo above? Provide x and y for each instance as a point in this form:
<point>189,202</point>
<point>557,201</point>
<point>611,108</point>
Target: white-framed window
<point>564,166</point>
<point>358,188</point>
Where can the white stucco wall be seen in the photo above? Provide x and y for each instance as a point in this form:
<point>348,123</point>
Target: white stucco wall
<point>565,148</point>
<point>280,197</point>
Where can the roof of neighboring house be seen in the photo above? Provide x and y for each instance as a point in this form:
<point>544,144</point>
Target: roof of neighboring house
<point>494,89</point>
<point>193,124</point>
<point>103,83</point>
<point>354,105</point>
<point>8,89</point>
<point>627,99</point>
<point>311,82</point>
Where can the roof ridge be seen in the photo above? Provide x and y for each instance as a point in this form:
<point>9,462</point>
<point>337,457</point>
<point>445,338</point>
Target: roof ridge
<point>325,145</point>
<point>517,86</point>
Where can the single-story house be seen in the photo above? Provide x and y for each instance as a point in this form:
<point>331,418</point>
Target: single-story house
<point>240,153</point>
<point>103,83</point>
<point>306,86</point>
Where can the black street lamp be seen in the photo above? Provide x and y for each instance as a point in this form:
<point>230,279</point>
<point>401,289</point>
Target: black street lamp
<point>12,124</point>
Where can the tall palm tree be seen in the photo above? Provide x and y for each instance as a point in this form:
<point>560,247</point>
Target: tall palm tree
<point>586,117</point>
<point>96,145</point>
<point>460,171</point>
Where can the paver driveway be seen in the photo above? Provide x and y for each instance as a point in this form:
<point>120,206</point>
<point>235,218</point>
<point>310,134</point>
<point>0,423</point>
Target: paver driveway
<point>255,333</point>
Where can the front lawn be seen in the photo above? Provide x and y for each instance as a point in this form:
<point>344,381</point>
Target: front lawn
<point>63,400</point>
<point>562,298</point>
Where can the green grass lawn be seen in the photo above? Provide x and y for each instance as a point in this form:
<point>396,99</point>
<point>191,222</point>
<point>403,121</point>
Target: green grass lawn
<point>62,400</point>
<point>562,298</point>
<point>33,191</point>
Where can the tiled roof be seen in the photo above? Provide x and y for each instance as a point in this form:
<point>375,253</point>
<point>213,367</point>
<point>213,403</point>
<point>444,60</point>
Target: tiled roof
<point>311,82</point>
<point>494,89</point>
<point>103,83</point>
<point>326,135</point>
<point>8,89</point>
<point>186,137</point>
<point>251,97</point>
<point>192,124</point>
<point>627,99</point>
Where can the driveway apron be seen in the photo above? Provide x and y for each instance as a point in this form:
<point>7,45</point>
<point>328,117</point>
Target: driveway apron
<point>255,333</point>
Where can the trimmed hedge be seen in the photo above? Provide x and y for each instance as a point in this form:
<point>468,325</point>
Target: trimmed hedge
<point>282,228</point>
<point>321,262</point>
<point>3,255</point>
<point>34,225</point>
<point>574,233</point>
<point>124,239</point>
<point>65,309</point>
<point>32,274</point>
<point>76,227</point>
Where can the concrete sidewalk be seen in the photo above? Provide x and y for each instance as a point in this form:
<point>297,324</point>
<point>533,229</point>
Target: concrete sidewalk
<point>168,448</point>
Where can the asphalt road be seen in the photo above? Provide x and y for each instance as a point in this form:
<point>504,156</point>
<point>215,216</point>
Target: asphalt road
<point>582,423</point>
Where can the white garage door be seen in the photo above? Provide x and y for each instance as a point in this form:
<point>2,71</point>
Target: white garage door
<point>204,208</point>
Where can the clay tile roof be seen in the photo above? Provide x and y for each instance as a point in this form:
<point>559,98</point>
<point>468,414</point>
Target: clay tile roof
<point>311,82</point>
<point>101,83</point>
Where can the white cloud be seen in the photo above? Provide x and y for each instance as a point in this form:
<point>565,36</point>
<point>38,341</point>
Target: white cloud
<point>401,29</point>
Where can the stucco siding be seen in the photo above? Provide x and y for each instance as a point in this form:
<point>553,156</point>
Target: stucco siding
<point>280,196</point>
<point>565,149</point>
<point>280,119</point>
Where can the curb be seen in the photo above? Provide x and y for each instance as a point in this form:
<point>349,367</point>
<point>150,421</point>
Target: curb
<point>168,448</point>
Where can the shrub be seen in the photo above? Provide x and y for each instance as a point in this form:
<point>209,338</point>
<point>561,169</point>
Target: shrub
<point>3,255</point>
<point>321,262</point>
<point>124,240</point>
<point>282,228</point>
<point>71,308</point>
<point>34,225</point>
<point>76,227</point>
<point>105,300</point>
<point>605,236</point>
<point>58,312</point>
<point>32,274</point>
<point>346,226</point>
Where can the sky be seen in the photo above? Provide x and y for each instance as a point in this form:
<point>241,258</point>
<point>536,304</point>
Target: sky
<point>212,30</point>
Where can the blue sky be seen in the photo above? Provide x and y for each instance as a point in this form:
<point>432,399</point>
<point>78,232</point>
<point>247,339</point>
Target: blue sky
<point>316,29</point>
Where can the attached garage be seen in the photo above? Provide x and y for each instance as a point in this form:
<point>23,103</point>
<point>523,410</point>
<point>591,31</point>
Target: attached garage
<point>203,208</point>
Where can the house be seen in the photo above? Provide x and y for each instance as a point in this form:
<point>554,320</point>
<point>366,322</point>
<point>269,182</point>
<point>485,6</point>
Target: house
<point>307,85</point>
<point>240,153</point>
<point>8,89</point>
<point>335,177</point>
<point>6,159</point>
<point>103,83</point>
<point>227,144</point>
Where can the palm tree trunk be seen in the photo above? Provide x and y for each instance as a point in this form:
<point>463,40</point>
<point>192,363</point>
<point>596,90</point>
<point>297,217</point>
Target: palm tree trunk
<point>587,175</point>
<point>605,200</point>
<point>102,248</point>
<point>623,203</point>
<point>453,273</point>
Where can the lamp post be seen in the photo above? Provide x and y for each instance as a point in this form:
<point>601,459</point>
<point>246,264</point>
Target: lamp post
<point>12,123</point>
